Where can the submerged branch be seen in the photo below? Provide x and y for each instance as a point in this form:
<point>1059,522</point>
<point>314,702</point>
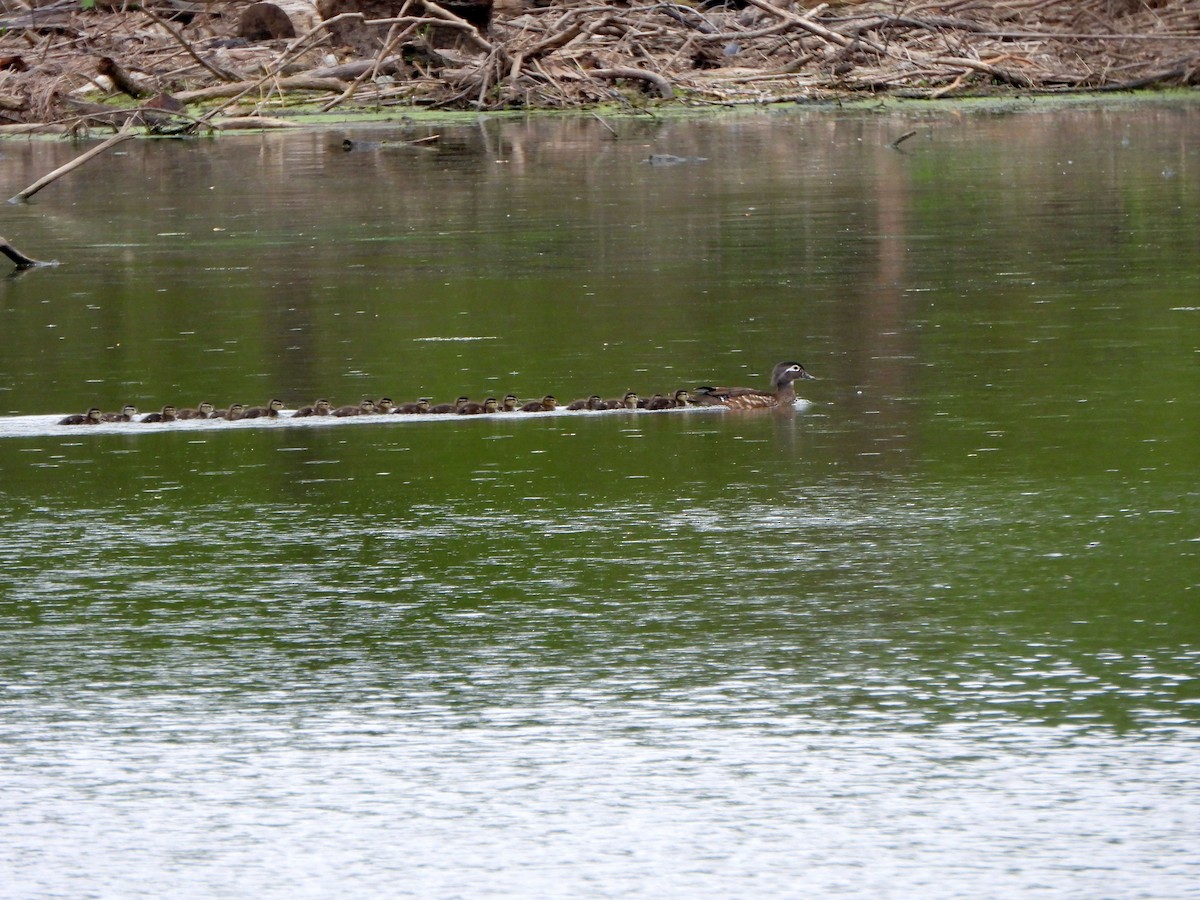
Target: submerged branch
<point>20,259</point>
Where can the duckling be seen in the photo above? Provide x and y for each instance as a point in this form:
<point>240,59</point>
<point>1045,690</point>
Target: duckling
<point>592,402</point>
<point>546,404</point>
<point>233,414</point>
<point>203,410</point>
<point>490,405</point>
<point>364,408</point>
<point>413,409</point>
<point>444,408</point>
<point>92,417</point>
<point>782,393</point>
<point>128,411</point>
<point>385,406</point>
<point>629,401</point>
<point>318,408</point>
<point>270,411</point>
<point>167,415</point>
<point>658,401</point>
<point>509,403</point>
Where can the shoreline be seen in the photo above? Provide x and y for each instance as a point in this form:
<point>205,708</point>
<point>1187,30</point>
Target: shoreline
<point>76,72</point>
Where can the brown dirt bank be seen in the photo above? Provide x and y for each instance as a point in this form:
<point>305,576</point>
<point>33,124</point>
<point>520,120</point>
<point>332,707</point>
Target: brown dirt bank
<point>191,64</point>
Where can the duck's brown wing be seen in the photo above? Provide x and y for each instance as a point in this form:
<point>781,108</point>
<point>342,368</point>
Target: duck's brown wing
<point>735,397</point>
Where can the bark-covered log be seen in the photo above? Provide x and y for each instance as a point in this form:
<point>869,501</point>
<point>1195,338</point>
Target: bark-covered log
<point>121,79</point>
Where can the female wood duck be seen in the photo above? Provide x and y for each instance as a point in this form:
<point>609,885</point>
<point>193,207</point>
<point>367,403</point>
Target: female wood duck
<point>318,408</point>
<point>593,402</point>
<point>546,404</point>
<point>270,411</point>
<point>233,414</point>
<point>679,401</point>
<point>413,409</point>
<point>490,405</point>
<point>203,410</point>
<point>128,411</point>
<point>782,393</point>
<point>364,408</point>
<point>629,401</point>
<point>443,409</point>
<point>166,415</point>
<point>92,417</point>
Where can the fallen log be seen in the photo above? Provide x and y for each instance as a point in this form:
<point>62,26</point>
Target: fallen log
<point>121,79</point>
<point>660,84</point>
<point>291,83</point>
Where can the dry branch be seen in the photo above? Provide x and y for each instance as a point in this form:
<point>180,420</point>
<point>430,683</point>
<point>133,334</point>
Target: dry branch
<point>123,135</point>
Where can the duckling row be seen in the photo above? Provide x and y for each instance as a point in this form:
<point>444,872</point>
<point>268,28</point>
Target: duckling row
<point>782,393</point>
<point>463,406</point>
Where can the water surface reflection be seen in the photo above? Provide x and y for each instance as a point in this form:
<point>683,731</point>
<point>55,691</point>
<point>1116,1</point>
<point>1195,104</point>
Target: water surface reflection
<point>936,624</point>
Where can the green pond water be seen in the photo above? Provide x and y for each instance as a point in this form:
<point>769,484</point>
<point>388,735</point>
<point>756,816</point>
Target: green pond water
<point>935,633</point>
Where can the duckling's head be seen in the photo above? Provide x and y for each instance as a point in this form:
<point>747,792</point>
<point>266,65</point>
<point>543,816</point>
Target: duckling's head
<point>93,414</point>
<point>129,410</point>
<point>630,400</point>
<point>236,409</point>
<point>510,402</point>
<point>168,411</point>
<point>322,406</point>
<point>491,405</point>
<point>275,405</point>
<point>205,408</point>
<point>549,402</point>
<point>462,400</point>
<point>384,405</point>
<point>682,398</point>
<point>367,406</point>
<point>423,403</point>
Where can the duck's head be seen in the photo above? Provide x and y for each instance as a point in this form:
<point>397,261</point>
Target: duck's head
<point>594,402</point>
<point>549,401</point>
<point>168,411</point>
<point>462,401</point>
<point>385,405</point>
<point>682,398</point>
<point>630,399</point>
<point>275,405</point>
<point>510,402</point>
<point>94,414</point>
<point>491,405</point>
<point>322,406</point>
<point>129,410</point>
<point>787,372</point>
<point>236,409</point>
<point>367,406</point>
<point>205,408</point>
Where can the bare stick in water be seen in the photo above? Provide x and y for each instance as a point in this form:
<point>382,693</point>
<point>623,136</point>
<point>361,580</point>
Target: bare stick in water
<point>22,261</point>
<point>122,135</point>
